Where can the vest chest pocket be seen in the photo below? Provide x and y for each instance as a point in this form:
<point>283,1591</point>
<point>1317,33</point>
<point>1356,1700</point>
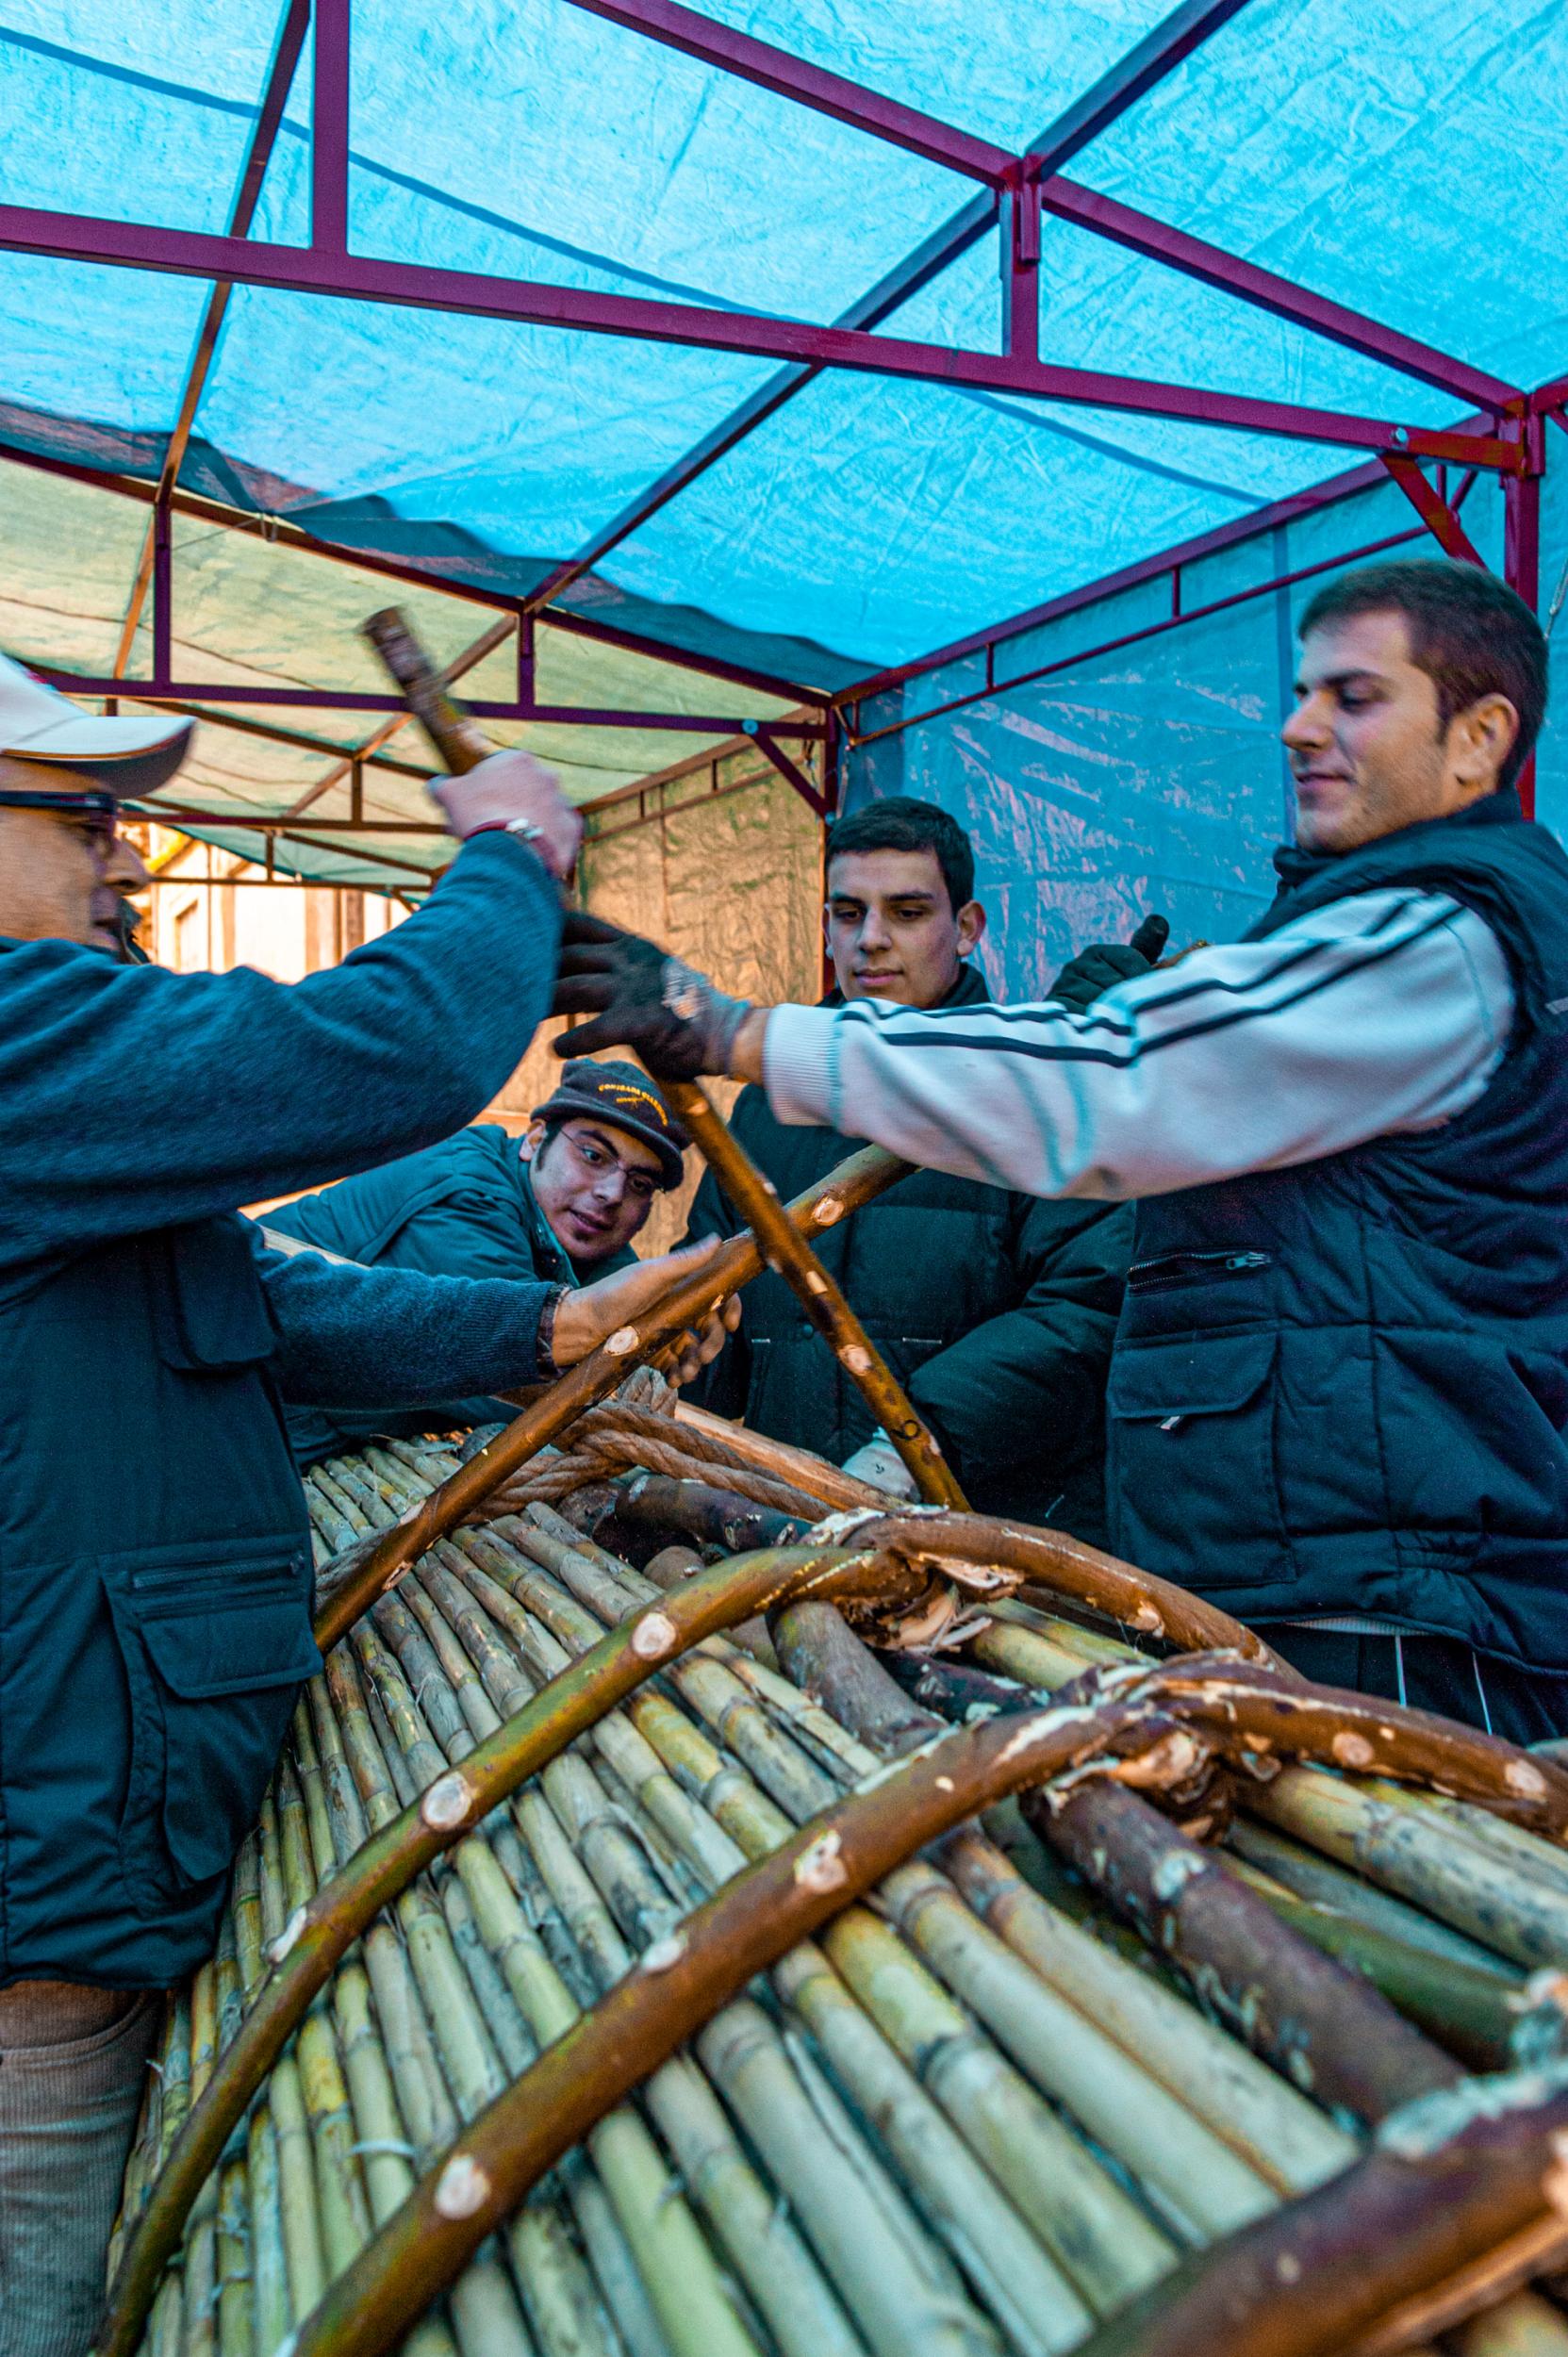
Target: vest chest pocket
<point>1194,1487</point>
<point>214,1651</point>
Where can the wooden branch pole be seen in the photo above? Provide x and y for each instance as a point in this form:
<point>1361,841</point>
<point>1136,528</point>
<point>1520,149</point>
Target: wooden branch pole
<point>319,1933</point>
<point>756,1200</point>
<point>459,743</point>
<point>461,746</point>
<point>1066,1566</point>
<point>854,1182</point>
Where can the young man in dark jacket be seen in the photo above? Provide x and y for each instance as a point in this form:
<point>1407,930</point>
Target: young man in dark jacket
<point>1339,1400</point>
<point>996,1310</point>
<point>561,1205</point>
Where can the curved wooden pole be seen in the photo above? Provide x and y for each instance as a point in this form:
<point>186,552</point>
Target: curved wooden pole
<point>1138,1726</point>
<point>853,1181</point>
<point>318,1935</point>
<point>1150,1606</point>
<point>1405,2241</point>
<point>1284,1717</point>
<point>462,746</point>
<point>676,1985</point>
<point>756,1200</point>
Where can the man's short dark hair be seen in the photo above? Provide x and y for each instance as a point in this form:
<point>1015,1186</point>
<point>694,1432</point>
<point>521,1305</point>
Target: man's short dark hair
<point>899,823</point>
<point>1470,632</point>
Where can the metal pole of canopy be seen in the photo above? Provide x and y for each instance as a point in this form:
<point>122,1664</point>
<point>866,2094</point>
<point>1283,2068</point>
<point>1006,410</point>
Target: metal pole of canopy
<point>329,129</point>
<point>1522,548</point>
<point>279,79</point>
<point>1020,269</point>
<point>1438,515</point>
<point>370,278</point>
<point>360,700</point>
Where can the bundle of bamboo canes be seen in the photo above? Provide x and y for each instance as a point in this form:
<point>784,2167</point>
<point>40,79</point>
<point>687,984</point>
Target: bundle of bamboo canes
<point>975,2110</point>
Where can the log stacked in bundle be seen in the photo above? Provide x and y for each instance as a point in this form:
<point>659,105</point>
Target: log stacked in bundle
<point>591,1987</point>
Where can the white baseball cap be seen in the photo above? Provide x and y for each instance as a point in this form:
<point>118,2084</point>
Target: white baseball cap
<point>123,757</point>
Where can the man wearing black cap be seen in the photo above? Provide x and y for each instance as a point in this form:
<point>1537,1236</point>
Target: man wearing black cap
<point>560,1205</point>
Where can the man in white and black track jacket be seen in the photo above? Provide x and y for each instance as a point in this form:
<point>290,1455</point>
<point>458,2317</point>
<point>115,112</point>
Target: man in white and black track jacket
<point>1339,1394</point>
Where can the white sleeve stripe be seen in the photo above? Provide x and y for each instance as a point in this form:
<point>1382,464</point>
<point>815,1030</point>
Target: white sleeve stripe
<point>1076,1052</point>
<point>1296,952</point>
<point>1394,1032</point>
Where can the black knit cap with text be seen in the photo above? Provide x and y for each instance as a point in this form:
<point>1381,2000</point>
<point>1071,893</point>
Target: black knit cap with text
<point>624,1097</point>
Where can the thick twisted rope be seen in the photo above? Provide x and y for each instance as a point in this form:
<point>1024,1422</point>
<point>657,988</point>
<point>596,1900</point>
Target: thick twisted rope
<point>639,1430</point>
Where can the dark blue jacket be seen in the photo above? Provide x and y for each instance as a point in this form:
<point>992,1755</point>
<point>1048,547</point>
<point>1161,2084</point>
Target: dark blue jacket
<point>1343,1387</point>
<point>465,1208</point>
<point>155,1562</point>
<point>996,1311</point>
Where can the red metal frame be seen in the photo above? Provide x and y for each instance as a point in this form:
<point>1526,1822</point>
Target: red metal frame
<point>766,737</point>
<point>1441,519</point>
<point>329,127</point>
<point>788,77</point>
<point>1506,438</point>
<point>165,690</point>
<point>296,24</point>
<point>360,278</point>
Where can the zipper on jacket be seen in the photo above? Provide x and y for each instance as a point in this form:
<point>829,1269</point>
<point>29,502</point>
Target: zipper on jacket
<point>1192,1268</point>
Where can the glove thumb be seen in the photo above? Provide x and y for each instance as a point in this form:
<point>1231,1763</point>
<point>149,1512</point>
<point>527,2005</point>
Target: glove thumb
<point>1150,938</point>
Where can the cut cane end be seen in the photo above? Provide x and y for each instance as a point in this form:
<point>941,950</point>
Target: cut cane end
<point>462,2188</point>
<point>624,1339</point>
<point>822,1867</point>
<point>1522,1776</point>
<point>1353,1751</point>
<point>289,1938</point>
<point>653,1637</point>
<point>856,1357</point>
<point>447,1804</point>
<point>664,1955</point>
<point>828,1211</point>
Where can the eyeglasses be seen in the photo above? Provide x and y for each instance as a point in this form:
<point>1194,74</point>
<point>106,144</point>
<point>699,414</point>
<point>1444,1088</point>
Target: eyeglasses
<point>97,814</point>
<point>594,1158</point>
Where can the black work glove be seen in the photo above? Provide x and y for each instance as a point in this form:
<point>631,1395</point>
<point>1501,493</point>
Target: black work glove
<point>1105,962</point>
<point>641,997</point>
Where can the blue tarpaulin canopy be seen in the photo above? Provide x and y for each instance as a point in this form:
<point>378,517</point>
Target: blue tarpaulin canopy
<point>1407,161</point>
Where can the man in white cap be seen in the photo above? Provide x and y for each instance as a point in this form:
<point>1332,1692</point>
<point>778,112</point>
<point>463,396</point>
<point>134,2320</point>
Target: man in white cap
<point>155,1556</point>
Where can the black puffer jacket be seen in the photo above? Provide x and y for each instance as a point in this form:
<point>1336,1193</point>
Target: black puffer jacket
<point>995,1310</point>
